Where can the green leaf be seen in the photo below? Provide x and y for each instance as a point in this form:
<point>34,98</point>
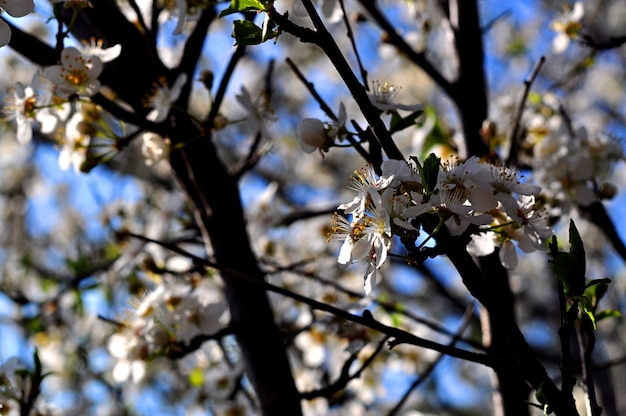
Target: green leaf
<point>244,6</point>
<point>569,268</point>
<point>608,313</point>
<point>247,33</point>
<point>577,250</point>
<point>437,135</point>
<point>586,305</point>
<point>399,123</point>
<point>562,268</point>
<point>429,172</point>
<point>541,397</point>
<point>596,282</point>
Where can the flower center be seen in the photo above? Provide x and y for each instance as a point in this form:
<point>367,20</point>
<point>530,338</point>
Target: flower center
<point>76,76</point>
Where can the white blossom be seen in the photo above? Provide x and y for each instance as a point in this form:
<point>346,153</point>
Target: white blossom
<point>384,95</point>
<point>312,134</point>
<point>567,25</point>
<point>94,48</point>
<point>163,97</point>
<point>153,148</point>
<point>76,74</point>
<point>259,112</point>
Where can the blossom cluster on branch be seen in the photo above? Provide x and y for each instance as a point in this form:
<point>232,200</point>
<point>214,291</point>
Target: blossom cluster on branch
<point>465,193</point>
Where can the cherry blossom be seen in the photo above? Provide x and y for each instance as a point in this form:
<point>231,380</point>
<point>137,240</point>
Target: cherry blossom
<point>154,148</point>
<point>77,74</point>
<point>567,25</point>
<point>163,97</point>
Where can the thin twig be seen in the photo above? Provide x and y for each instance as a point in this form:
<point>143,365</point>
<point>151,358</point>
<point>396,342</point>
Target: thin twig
<point>519,111</point>
<point>325,107</point>
<point>418,58</point>
<point>344,377</point>
<point>311,87</point>
<point>324,40</point>
<point>401,336</point>
<point>487,27</point>
<point>228,73</point>
<point>353,43</point>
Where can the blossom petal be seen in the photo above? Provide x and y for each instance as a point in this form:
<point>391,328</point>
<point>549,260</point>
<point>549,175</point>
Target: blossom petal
<point>508,255</point>
<point>19,8</point>
<point>5,33</point>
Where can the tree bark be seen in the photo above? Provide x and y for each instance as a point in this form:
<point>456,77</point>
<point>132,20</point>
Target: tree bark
<point>219,214</point>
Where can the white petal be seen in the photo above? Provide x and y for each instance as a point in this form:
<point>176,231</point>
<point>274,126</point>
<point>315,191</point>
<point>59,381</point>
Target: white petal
<point>5,33</point>
<point>362,249</point>
<point>481,244</point>
<point>578,11</point>
<point>24,131</point>
<point>345,254</point>
<point>560,43</point>
<point>109,54</point>
<point>508,255</point>
<point>121,371</point>
<point>19,8</point>
<point>369,279</point>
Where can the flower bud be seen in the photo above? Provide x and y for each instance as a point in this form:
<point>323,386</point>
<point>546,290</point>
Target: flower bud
<point>206,77</point>
<point>607,191</point>
<point>311,134</point>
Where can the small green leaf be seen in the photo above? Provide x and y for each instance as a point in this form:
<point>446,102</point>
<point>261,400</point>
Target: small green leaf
<point>247,33</point>
<point>437,134</point>
<point>595,282</point>
<point>608,313</point>
<point>577,250</point>
<point>399,123</point>
<point>244,6</point>
<point>429,172</point>
<point>586,305</point>
<point>569,268</point>
<point>541,397</point>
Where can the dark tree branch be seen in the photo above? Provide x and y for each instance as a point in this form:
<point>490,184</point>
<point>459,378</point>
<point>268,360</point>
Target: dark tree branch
<point>344,377</point>
<point>418,58</point>
<point>586,340</point>
<point>350,35</point>
<point>469,91</point>
<point>521,355</point>
<point>399,336</point>
<point>325,41</point>
<point>192,52</point>
<point>513,391</point>
<point>597,214</point>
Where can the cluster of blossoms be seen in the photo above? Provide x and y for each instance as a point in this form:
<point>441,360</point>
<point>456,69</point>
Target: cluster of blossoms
<point>502,208</point>
<point>172,313</point>
<point>568,162</point>
<point>57,102</point>
<point>48,102</point>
